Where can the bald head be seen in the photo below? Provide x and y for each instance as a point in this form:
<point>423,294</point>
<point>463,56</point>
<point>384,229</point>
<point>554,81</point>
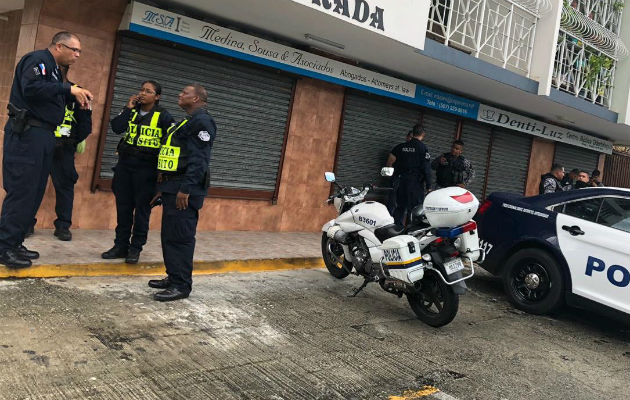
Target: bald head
<point>62,37</point>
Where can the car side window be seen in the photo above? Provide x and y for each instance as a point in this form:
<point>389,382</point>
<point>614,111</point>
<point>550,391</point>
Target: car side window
<point>615,213</point>
<point>584,209</point>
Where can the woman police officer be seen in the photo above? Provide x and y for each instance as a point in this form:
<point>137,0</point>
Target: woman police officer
<point>144,123</point>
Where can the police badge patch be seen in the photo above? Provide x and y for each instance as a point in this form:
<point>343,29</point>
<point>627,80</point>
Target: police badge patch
<point>204,136</point>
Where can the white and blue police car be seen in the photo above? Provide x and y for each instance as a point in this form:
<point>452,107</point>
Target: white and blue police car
<point>568,247</point>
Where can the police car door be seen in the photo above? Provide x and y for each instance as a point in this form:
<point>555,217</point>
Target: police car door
<point>593,235</point>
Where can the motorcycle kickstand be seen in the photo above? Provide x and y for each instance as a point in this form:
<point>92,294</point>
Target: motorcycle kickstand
<point>360,288</point>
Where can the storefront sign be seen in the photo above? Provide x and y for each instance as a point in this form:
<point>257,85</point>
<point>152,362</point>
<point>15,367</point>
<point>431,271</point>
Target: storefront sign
<point>531,126</point>
<point>177,28</point>
<point>402,20</point>
<point>446,102</point>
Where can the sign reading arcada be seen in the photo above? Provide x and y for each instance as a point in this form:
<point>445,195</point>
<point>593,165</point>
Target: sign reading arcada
<point>358,10</point>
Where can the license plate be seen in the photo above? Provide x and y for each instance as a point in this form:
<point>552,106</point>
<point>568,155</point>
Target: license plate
<point>453,266</point>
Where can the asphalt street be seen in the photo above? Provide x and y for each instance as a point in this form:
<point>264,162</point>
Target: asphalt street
<point>294,335</point>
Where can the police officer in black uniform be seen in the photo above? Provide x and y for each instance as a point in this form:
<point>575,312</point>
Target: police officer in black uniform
<point>76,126</point>
<point>391,198</point>
<point>184,179</point>
<point>36,107</point>
<point>413,164</point>
<point>145,123</point>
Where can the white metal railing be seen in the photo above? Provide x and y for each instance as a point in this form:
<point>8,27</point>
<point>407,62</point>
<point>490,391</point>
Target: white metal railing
<point>583,70</point>
<point>501,32</point>
<point>606,13</point>
<point>585,27</point>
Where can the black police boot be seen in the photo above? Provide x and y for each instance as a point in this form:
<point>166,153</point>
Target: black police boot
<point>115,252</point>
<point>132,256</point>
<point>25,253</point>
<point>170,294</point>
<point>63,234</point>
<point>160,283</point>
<point>11,259</point>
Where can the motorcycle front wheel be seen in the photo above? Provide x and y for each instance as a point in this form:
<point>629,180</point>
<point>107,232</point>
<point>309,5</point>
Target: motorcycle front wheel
<point>336,269</point>
<point>435,303</point>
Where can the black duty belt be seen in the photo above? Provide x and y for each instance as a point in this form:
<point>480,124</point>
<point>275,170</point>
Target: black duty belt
<point>174,178</point>
<point>40,124</point>
<point>32,122</point>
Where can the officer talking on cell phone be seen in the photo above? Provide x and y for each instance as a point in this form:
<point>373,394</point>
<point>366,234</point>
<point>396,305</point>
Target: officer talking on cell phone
<point>36,107</point>
<point>183,165</point>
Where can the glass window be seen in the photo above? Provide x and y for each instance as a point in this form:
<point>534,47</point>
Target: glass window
<point>584,209</point>
<point>615,213</point>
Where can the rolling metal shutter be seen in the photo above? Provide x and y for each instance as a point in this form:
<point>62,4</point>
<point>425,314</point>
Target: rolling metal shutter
<point>509,161</point>
<point>371,128</point>
<point>249,105</point>
<point>441,129</point>
<point>576,157</point>
<point>476,138</point>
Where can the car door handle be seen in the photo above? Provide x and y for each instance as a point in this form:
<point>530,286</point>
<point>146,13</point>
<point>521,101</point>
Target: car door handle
<point>573,230</point>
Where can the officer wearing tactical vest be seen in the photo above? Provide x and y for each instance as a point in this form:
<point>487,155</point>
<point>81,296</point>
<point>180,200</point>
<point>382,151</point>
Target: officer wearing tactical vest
<point>413,169</point>
<point>75,128</point>
<point>36,106</point>
<point>183,183</point>
<point>144,123</point>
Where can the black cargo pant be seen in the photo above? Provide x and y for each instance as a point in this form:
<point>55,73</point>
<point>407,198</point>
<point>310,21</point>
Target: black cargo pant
<point>178,239</point>
<point>410,194</point>
<point>134,186</point>
<point>64,177</point>
<point>27,159</point>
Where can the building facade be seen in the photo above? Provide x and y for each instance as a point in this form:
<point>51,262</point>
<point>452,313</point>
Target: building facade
<point>300,87</point>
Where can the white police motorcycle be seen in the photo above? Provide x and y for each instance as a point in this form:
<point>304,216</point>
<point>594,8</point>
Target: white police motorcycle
<point>424,261</point>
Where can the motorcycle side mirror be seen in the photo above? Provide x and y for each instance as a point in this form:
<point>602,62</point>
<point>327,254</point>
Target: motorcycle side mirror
<point>330,176</point>
<point>387,171</point>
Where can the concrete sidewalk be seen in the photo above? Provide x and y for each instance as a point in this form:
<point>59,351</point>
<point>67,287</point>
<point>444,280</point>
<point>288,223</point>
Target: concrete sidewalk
<point>214,252</point>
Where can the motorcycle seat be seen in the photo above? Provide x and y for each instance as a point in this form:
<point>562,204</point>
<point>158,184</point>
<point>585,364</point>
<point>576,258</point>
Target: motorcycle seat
<point>388,231</point>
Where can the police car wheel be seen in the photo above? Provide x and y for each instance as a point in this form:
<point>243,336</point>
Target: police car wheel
<point>533,281</point>
<point>336,269</point>
<point>435,303</point>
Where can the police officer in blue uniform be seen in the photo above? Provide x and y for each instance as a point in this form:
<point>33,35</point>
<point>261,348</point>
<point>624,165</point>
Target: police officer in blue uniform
<point>413,170</point>
<point>75,128</point>
<point>144,123</point>
<point>36,107</point>
<point>184,179</point>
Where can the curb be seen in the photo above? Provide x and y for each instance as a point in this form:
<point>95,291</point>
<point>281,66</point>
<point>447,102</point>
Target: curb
<point>157,268</point>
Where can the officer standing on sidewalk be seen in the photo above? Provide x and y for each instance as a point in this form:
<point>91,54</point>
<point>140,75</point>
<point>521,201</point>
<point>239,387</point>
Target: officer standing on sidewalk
<point>144,123</point>
<point>75,128</point>
<point>36,107</point>
<point>414,172</point>
<point>183,165</point>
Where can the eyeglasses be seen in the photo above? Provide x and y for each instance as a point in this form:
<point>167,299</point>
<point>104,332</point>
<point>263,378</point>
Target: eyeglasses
<point>147,91</point>
<point>74,49</point>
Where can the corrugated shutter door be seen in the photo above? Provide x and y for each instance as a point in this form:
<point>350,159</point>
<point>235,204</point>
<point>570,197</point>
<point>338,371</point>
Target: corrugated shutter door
<point>371,128</point>
<point>476,138</point>
<point>440,129</point>
<point>250,106</point>
<point>576,157</point>
<point>509,161</point>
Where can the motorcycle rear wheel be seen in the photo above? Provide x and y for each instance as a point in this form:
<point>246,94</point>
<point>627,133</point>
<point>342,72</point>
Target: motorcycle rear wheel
<point>435,303</point>
<point>335,268</point>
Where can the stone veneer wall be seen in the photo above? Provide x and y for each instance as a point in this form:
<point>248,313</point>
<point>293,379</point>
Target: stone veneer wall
<point>10,33</point>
